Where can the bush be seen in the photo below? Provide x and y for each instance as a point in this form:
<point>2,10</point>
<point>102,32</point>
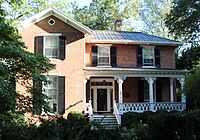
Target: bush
<point>162,125</point>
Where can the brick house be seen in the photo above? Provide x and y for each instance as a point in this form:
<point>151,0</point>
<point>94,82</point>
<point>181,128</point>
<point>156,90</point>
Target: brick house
<point>104,72</point>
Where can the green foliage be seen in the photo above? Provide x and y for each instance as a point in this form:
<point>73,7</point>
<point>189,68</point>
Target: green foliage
<point>163,125</point>
<point>101,14</point>
<point>183,19</point>
<point>20,67</point>
<point>160,125</point>
<point>189,58</point>
<point>192,89</point>
<point>153,14</point>
<point>18,10</point>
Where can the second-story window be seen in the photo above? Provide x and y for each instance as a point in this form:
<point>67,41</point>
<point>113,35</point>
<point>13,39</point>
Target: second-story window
<point>51,46</point>
<point>104,56</point>
<point>148,56</point>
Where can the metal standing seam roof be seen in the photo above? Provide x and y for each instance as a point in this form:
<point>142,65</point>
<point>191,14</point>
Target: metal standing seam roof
<point>129,37</point>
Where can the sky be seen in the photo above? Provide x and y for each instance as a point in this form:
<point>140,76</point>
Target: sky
<point>81,3</point>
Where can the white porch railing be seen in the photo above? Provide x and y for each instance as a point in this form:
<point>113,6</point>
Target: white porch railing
<point>116,113</point>
<point>88,109</point>
<point>141,107</point>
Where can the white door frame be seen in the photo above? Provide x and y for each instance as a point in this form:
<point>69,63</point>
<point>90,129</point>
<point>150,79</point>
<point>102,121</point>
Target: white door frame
<point>109,88</point>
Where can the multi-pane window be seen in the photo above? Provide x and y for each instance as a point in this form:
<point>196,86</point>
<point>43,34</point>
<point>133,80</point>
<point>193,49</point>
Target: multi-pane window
<point>148,56</point>
<point>51,46</point>
<point>104,56</point>
<point>51,90</point>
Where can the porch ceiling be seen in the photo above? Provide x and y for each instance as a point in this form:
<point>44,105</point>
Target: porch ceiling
<point>132,72</point>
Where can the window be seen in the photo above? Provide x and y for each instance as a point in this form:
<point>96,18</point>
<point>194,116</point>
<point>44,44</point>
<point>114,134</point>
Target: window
<point>51,46</point>
<point>51,90</point>
<point>104,56</point>
<point>148,56</point>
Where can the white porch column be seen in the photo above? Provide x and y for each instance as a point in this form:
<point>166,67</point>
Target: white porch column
<point>150,80</point>
<point>183,98</point>
<point>171,90</point>
<point>85,94</point>
<point>120,82</point>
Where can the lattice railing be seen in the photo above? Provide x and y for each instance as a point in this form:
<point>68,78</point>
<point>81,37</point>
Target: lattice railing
<point>141,107</point>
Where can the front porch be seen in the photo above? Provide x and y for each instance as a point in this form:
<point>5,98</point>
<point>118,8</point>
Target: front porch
<point>117,93</point>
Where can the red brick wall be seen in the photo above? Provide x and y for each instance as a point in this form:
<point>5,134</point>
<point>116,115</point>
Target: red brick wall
<point>165,90</point>
<point>127,56</point>
<point>72,66</point>
<point>130,85</point>
<point>167,58</point>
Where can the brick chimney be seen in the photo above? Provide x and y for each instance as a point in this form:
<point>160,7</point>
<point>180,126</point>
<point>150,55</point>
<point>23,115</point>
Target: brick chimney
<point>118,25</point>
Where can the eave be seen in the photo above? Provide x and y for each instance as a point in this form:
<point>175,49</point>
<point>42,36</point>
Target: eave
<point>134,42</point>
<point>133,72</point>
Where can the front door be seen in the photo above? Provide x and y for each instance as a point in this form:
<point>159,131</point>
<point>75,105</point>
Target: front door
<point>101,99</point>
<point>102,94</point>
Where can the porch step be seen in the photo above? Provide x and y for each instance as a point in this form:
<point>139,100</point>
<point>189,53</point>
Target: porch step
<point>106,121</point>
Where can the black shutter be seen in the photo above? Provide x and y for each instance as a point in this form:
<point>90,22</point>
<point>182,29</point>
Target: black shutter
<point>61,94</point>
<point>157,57</point>
<point>139,57</point>
<point>37,103</point>
<point>94,55</point>
<point>158,90</point>
<point>141,90</point>
<point>38,48</point>
<point>62,40</point>
<point>113,53</point>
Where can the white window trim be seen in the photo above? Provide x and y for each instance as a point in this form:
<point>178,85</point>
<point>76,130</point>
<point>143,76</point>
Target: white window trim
<point>104,45</point>
<point>152,47</point>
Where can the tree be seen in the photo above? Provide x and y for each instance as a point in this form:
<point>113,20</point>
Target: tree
<point>183,22</point>
<point>22,67</point>
<point>101,14</point>
<point>153,14</point>
<point>189,58</point>
<point>184,18</point>
<point>192,88</point>
<point>18,10</point>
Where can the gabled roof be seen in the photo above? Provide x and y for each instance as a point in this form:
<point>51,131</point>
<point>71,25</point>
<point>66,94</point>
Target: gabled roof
<point>125,37</point>
<point>48,12</point>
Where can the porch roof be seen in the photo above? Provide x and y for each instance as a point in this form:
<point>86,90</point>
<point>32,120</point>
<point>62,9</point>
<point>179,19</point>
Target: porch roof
<point>133,72</point>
